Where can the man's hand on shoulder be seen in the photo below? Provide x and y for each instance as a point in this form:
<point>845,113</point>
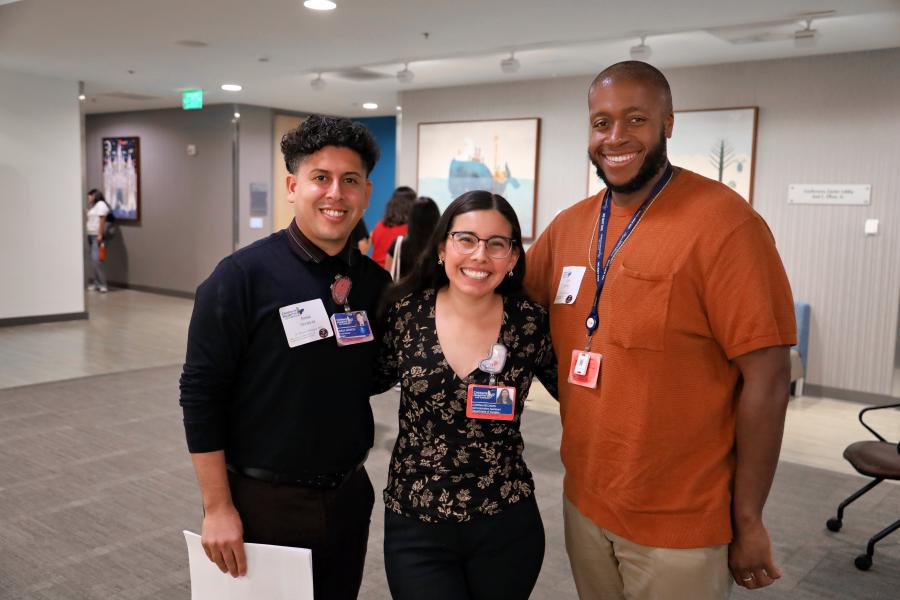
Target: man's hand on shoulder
<point>750,556</point>
<point>223,540</point>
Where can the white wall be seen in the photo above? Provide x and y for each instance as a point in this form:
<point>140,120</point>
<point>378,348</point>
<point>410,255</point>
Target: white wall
<point>41,230</point>
<point>825,119</point>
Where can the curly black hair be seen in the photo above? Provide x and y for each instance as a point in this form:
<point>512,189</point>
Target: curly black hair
<point>318,131</point>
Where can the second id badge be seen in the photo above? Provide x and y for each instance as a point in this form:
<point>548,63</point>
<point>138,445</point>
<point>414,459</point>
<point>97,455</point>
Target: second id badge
<point>351,327</point>
<point>585,368</point>
<point>497,402</point>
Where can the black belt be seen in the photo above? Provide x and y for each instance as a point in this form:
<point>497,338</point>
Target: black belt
<point>322,481</point>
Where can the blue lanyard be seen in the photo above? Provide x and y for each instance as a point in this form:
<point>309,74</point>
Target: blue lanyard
<point>593,319</point>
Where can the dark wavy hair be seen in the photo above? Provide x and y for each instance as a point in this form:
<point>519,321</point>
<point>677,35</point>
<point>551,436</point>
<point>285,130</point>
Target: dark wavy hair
<point>97,195</point>
<point>428,274</point>
<point>319,131</point>
<point>396,212</point>
<point>423,218</point>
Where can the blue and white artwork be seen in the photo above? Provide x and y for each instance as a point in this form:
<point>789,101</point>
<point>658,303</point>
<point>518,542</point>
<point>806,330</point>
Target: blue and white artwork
<point>715,143</point>
<point>121,177</point>
<point>496,156</point>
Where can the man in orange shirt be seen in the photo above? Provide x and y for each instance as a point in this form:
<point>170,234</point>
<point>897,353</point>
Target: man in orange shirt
<point>674,372</point>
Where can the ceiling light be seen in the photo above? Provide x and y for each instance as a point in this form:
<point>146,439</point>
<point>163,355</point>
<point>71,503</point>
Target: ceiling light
<point>806,37</point>
<point>81,95</point>
<point>370,105</point>
<point>320,5</point>
<point>231,87</point>
<point>405,76</point>
<point>237,115</point>
<point>642,51</point>
<point>399,108</point>
<point>318,83</point>
<point>510,64</point>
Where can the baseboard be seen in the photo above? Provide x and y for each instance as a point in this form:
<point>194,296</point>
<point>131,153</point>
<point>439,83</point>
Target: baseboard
<point>13,322</point>
<point>823,391</point>
<point>152,290</point>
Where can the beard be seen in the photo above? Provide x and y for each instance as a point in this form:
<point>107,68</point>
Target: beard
<point>656,159</point>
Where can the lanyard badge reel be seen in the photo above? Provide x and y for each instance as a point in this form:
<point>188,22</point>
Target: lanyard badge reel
<point>351,326</point>
<point>492,401</point>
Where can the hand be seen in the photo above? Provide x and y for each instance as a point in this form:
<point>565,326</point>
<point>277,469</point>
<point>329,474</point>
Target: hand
<point>750,556</point>
<point>222,538</point>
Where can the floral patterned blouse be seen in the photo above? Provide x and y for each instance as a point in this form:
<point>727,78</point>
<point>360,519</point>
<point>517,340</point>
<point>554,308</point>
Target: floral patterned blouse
<point>446,466</point>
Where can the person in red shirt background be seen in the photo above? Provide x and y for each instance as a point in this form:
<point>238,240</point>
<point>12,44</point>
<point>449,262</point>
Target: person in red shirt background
<point>393,224</point>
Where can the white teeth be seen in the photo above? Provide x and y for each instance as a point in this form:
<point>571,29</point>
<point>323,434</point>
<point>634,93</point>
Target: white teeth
<point>333,213</point>
<point>475,274</point>
<point>621,158</point>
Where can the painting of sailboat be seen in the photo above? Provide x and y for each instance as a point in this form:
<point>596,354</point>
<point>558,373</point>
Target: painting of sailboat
<point>497,156</point>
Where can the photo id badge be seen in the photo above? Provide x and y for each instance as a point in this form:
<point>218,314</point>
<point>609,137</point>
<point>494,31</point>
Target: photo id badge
<point>305,322</point>
<point>569,284</point>
<point>585,368</point>
<point>351,328</point>
<point>495,402</point>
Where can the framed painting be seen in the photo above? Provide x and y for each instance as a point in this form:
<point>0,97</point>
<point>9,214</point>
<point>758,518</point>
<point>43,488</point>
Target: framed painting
<point>717,143</point>
<point>498,156</point>
<point>122,177</point>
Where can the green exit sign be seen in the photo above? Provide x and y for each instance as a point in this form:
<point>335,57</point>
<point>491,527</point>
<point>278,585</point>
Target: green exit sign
<point>192,99</point>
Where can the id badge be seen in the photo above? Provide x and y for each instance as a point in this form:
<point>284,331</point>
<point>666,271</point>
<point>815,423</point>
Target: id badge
<point>496,402</point>
<point>351,328</point>
<point>585,368</point>
<point>569,284</point>
<point>305,322</point>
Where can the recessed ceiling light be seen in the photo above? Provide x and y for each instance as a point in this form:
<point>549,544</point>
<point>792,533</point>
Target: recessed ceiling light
<point>231,87</point>
<point>320,5</point>
<point>370,105</point>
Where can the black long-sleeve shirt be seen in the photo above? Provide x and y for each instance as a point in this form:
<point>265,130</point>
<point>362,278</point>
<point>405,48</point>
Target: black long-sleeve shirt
<point>245,391</point>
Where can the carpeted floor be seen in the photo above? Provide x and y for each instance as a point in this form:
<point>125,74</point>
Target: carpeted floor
<point>96,486</point>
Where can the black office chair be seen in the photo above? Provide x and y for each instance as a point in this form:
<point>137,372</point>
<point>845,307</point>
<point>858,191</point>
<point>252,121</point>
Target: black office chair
<point>879,460</point>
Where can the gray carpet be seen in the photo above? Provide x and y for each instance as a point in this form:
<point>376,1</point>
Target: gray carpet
<point>96,486</point>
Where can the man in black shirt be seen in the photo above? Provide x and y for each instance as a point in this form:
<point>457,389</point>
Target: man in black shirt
<point>276,405</point>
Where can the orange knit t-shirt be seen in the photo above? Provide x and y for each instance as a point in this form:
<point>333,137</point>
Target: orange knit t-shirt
<point>649,452</point>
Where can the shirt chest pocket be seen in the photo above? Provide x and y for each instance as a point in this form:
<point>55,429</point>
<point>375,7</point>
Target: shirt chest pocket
<point>639,308</point>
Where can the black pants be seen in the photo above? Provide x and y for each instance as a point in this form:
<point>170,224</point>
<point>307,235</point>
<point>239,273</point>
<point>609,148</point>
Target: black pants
<point>334,524</point>
<point>491,558</point>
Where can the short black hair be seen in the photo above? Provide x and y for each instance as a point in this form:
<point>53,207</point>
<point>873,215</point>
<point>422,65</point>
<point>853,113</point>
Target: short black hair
<point>636,70</point>
<point>97,195</point>
<point>319,131</point>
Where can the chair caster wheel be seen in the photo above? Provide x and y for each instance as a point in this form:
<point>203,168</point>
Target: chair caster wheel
<point>863,562</point>
<point>834,524</point>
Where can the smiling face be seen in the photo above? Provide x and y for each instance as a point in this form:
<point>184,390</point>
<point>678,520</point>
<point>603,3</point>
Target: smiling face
<point>477,274</point>
<point>329,192</point>
<point>630,122</point>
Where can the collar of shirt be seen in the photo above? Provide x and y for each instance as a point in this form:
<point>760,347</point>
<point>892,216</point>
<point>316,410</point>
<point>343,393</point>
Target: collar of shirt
<point>307,251</point>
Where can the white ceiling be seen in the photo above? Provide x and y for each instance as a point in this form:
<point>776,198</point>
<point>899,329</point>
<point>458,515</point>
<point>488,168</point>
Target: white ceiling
<point>130,46</point>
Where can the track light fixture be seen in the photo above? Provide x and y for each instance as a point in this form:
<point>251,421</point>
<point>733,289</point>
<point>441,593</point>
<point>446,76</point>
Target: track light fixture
<point>511,64</point>
<point>81,95</point>
<point>318,83</point>
<point>405,75</point>
<point>806,37</point>
<point>642,51</point>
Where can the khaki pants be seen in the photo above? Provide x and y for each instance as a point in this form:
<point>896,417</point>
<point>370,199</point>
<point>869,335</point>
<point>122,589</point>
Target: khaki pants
<point>609,567</point>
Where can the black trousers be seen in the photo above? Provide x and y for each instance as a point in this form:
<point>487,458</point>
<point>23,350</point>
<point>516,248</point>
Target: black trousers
<point>491,558</point>
<point>334,524</point>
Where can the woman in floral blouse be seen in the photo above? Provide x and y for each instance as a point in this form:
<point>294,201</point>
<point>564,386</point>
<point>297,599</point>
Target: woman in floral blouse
<point>461,521</point>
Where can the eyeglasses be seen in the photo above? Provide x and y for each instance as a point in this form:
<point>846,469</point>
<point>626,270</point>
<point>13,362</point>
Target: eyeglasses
<point>496,246</point>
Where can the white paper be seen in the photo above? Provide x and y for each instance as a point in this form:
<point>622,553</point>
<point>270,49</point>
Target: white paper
<point>569,284</point>
<point>273,573</point>
<point>305,322</point>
